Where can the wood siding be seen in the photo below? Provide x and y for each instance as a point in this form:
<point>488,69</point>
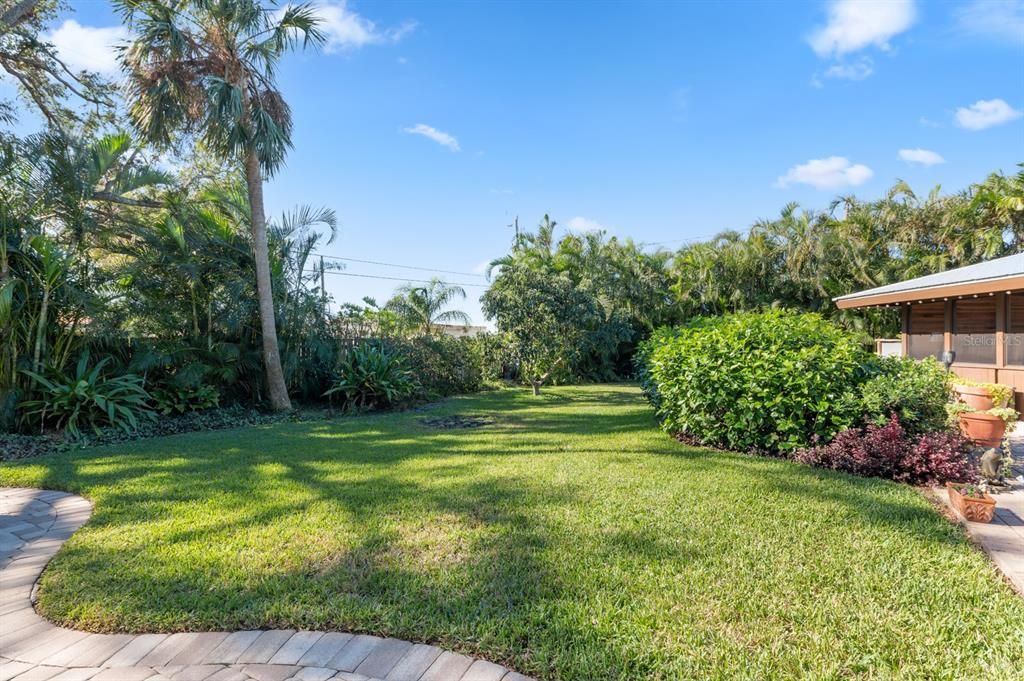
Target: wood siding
<point>1000,316</point>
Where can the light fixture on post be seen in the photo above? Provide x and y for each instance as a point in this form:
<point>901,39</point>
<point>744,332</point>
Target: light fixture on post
<point>948,357</point>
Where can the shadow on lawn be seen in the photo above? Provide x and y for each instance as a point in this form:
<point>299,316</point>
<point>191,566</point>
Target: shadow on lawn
<point>489,587</point>
<point>488,600</point>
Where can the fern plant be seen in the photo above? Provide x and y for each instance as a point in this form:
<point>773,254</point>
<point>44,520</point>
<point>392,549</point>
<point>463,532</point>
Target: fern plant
<point>87,399</point>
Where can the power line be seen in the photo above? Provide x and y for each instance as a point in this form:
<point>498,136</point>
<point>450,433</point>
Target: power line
<point>404,267</point>
<point>418,281</point>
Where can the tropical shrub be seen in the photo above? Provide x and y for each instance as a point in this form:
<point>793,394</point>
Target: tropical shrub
<point>915,390</point>
<point>496,355</point>
<point>87,399</point>
<point>757,381</point>
<point>889,451</point>
<point>171,397</point>
<point>372,377</point>
<point>443,365</point>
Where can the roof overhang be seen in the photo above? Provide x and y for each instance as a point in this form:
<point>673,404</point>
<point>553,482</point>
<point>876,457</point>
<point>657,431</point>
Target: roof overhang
<point>977,287</point>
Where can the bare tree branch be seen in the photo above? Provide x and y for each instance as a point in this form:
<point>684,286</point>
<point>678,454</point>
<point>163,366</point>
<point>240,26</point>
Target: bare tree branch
<point>110,197</point>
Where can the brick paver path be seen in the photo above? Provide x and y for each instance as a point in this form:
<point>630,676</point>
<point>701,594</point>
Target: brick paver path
<point>33,525</point>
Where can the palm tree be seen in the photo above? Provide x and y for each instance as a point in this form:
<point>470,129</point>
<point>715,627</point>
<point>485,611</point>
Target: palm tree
<point>207,68</point>
<point>422,307</point>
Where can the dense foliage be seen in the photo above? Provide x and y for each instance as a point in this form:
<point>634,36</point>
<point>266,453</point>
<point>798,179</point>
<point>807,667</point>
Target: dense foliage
<point>88,398</point>
<point>769,381</point>
<point>444,365</point>
<point>132,228</point>
<point>915,391</point>
<point>889,451</point>
<point>548,319</point>
<point>575,308</point>
<point>801,260</point>
<point>372,376</point>
<point>794,384</point>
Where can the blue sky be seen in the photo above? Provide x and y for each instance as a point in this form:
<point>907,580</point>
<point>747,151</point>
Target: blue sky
<point>428,127</point>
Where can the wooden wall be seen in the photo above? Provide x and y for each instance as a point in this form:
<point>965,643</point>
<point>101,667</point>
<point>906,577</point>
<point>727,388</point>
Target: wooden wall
<point>925,319</point>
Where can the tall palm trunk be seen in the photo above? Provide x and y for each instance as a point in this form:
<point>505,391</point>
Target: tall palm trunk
<point>271,355</point>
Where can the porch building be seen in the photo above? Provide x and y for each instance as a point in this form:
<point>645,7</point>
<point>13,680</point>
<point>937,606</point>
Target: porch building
<point>974,312</point>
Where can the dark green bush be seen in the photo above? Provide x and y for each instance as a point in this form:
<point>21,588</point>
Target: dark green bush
<point>915,391</point>
<point>442,365</point>
<point>171,397</point>
<point>496,355</point>
<point>757,381</point>
<point>642,364</point>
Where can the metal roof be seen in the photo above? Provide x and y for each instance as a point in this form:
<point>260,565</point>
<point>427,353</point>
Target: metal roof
<point>991,270</point>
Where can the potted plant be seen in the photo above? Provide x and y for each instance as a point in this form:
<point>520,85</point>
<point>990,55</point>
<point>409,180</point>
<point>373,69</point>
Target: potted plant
<point>982,396</point>
<point>985,428</point>
<point>972,502</point>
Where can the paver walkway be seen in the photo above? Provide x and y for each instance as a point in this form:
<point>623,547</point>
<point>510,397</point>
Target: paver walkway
<point>33,525</point>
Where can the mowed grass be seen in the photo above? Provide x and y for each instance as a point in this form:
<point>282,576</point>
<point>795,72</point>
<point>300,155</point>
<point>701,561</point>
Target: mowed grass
<point>571,540</point>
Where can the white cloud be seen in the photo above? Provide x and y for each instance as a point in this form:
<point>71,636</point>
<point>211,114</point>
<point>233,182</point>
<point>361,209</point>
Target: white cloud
<point>345,29</point>
<point>857,71</point>
<point>582,224</point>
<point>929,123</point>
<point>986,113</point>
<point>439,136</point>
<point>1001,19</point>
<point>856,24</point>
<point>921,157</point>
<point>88,48</point>
<point>827,173</point>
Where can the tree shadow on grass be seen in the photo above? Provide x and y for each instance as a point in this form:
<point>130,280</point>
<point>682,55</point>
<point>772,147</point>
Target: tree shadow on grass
<point>444,537</point>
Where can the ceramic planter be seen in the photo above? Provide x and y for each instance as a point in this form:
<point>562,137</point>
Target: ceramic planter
<point>978,399</point>
<point>985,430</point>
<point>975,397</point>
<point>971,508</point>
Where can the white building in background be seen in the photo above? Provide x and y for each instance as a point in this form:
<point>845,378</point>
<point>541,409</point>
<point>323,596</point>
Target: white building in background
<point>460,330</point>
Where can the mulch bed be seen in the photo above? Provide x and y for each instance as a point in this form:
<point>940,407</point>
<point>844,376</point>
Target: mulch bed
<point>456,422</point>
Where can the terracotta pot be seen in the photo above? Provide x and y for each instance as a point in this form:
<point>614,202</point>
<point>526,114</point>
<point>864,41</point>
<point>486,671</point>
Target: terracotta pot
<point>984,429</point>
<point>971,508</point>
<point>977,398</point>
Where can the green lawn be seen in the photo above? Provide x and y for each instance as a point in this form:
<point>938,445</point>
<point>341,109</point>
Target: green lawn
<point>571,540</point>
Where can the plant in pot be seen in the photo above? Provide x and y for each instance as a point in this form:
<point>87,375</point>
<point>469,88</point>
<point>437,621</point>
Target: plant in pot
<point>971,501</point>
<point>982,396</point>
<point>985,428</point>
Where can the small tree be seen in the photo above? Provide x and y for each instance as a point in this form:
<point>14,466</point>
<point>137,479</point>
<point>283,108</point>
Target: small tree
<point>546,317</point>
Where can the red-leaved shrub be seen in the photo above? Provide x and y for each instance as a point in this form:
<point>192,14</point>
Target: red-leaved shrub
<point>887,452</point>
<point>937,458</point>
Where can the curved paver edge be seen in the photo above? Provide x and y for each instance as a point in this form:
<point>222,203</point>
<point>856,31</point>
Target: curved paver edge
<point>32,648</point>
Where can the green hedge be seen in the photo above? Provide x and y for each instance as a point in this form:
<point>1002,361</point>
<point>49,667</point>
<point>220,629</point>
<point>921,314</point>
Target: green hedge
<point>756,381</point>
<point>915,391</point>
<point>442,365</point>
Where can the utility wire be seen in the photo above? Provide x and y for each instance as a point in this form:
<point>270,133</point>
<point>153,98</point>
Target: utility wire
<point>418,281</point>
<point>404,267</point>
